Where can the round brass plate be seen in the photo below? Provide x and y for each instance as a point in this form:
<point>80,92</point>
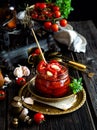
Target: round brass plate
<point>48,110</point>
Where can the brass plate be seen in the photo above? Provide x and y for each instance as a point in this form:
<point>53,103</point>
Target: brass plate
<point>48,110</point>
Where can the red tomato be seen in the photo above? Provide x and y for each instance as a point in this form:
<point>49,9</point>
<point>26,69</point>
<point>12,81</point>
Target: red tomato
<point>47,25</point>
<point>63,22</point>
<point>41,17</point>
<point>36,52</point>
<point>2,94</point>
<point>21,81</point>
<point>37,5</point>
<point>54,27</point>
<point>39,118</point>
<point>57,14</point>
<point>56,8</point>
<point>34,16</point>
<point>42,5</point>
<point>45,12</point>
<point>50,15</point>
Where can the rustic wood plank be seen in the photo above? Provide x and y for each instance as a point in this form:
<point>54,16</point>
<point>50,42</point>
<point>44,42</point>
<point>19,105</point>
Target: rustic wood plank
<point>89,31</point>
<point>3,112</point>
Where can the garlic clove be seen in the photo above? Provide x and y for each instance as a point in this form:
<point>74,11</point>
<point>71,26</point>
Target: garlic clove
<point>49,73</point>
<point>26,71</point>
<point>28,100</point>
<point>56,67</point>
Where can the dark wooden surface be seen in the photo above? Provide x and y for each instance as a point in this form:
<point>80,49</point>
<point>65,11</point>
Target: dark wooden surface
<point>84,118</point>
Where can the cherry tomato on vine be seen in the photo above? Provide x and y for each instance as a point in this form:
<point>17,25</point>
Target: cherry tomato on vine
<point>37,5</point>
<point>42,5</point>
<point>57,14</point>
<point>56,8</point>
<point>50,15</point>
<point>34,15</point>
<point>63,22</point>
<point>2,94</point>
<point>21,81</point>
<point>36,52</point>
<point>54,27</point>
<point>47,25</point>
<point>45,12</point>
<point>39,118</point>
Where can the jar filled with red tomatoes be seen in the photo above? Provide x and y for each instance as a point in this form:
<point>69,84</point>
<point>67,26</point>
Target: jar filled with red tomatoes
<point>52,79</point>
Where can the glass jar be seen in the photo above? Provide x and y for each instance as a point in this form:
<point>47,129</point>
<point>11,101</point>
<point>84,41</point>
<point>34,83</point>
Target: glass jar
<point>51,86</point>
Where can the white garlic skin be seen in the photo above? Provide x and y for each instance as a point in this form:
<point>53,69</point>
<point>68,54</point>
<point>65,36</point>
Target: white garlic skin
<point>26,71</point>
<point>21,71</point>
<point>18,72</point>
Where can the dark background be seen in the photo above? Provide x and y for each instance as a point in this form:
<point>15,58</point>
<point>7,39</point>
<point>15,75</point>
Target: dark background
<point>83,9</point>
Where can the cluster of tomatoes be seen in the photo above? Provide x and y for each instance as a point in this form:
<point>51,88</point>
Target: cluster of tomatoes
<point>49,25</point>
<point>49,13</point>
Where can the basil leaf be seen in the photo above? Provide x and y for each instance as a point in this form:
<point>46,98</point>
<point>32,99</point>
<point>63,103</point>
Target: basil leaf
<point>76,85</point>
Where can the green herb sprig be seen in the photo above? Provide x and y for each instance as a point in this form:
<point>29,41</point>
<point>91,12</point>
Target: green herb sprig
<point>76,85</point>
<point>65,7</point>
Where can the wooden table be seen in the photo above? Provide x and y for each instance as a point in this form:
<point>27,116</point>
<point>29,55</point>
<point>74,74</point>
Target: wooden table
<point>84,118</point>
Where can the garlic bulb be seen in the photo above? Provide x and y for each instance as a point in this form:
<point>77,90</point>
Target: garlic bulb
<point>21,71</point>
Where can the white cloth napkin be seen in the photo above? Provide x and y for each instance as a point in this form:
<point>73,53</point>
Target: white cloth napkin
<point>75,41</point>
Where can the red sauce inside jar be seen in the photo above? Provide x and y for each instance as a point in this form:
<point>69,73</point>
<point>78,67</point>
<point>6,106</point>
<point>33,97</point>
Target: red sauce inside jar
<point>52,81</point>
